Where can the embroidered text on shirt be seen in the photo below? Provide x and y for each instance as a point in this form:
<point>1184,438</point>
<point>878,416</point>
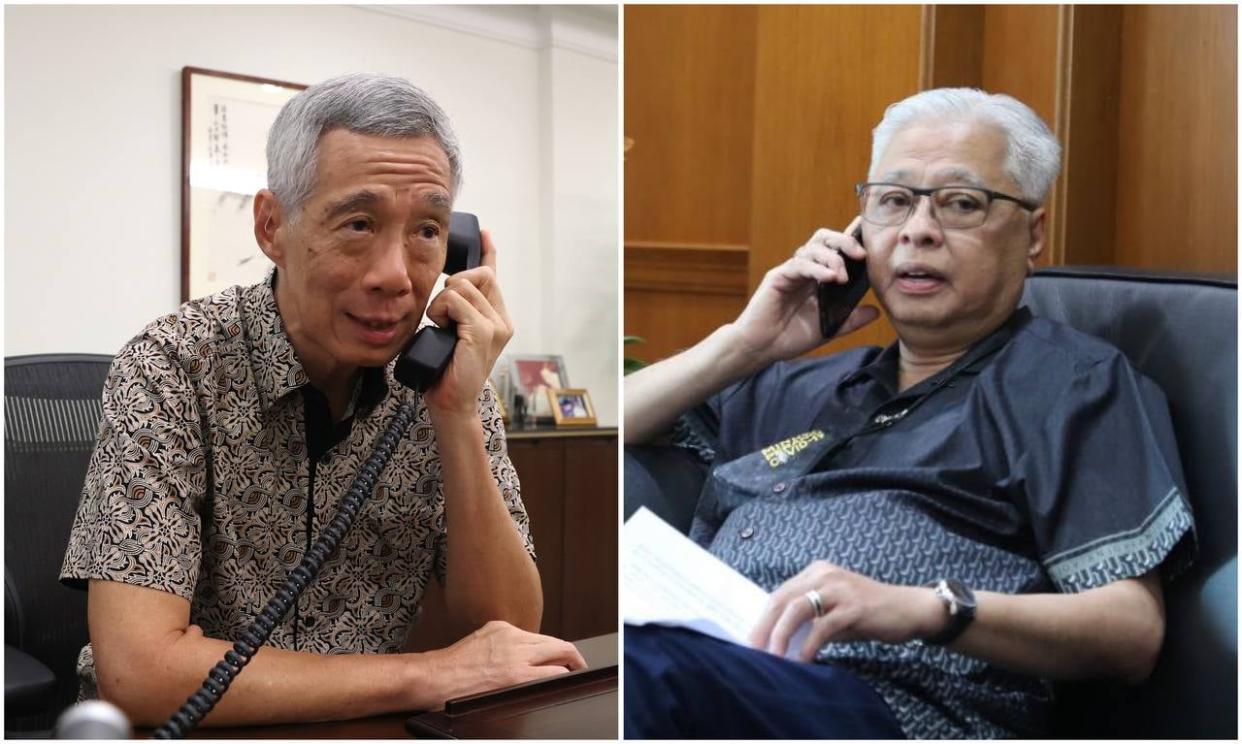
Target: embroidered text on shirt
<point>781,452</point>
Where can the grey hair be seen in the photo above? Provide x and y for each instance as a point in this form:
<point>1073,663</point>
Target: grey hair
<point>1033,155</point>
<point>364,103</point>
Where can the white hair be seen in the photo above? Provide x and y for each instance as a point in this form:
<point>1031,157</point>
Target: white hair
<point>364,103</point>
<point>1033,155</point>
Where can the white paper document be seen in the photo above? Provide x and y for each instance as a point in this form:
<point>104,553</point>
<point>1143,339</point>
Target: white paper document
<point>669,580</point>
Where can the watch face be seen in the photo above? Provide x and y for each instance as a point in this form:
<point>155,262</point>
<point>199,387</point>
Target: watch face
<point>961,593</point>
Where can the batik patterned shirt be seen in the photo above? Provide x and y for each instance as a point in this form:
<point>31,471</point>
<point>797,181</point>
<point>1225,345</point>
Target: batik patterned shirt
<point>1041,461</point>
<point>201,485</point>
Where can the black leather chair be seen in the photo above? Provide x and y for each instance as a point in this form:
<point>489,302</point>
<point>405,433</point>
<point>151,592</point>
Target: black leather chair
<point>52,409</point>
<point>1181,331</point>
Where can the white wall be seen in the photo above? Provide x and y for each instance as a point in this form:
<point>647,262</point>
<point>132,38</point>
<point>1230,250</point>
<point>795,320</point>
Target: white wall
<point>93,154</point>
<point>582,218</point>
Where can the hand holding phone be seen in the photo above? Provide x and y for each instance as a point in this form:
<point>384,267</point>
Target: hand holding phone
<point>782,319</point>
<point>451,367</point>
<point>837,301</point>
<point>424,359</point>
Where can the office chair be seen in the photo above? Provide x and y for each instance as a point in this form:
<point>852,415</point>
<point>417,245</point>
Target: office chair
<point>52,410</point>
<point>1181,331</point>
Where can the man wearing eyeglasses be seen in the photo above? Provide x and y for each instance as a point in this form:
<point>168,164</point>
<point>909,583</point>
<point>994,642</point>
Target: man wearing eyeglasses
<point>986,505</point>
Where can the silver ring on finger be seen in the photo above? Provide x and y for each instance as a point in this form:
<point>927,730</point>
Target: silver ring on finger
<point>817,602</point>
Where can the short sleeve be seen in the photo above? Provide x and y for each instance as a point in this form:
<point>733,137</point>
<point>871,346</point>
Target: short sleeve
<point>722,427</point>
<point>137,522</point>
<point>782,400</point>
<point>503,473</point>
<point>1104,482</point>
<point>698,430</point>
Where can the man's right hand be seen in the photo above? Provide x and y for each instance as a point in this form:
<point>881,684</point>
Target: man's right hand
<point>781,321</point>
<point>495,656</point>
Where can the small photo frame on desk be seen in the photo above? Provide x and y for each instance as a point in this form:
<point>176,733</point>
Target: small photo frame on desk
<point>571,407</point>
<point>532,375</point>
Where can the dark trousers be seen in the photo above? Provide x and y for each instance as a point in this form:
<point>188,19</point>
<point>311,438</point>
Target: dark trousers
<point>680,684</point>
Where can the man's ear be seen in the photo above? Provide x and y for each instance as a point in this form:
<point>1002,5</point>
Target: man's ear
<point>1037,229</point>
<point>268,224</point>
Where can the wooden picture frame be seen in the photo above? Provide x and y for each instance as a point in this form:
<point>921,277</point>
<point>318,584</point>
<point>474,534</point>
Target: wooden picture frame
<point>225,119</point>
<point>571,406</point>
<point>531,374</point>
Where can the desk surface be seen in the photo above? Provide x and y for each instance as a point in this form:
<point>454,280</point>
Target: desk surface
<point>598,652</point>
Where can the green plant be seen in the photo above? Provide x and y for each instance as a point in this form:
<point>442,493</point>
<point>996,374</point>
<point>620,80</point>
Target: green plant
<point>630,363</point>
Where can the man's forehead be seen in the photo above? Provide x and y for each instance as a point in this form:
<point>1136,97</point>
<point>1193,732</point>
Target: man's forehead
<point>359,171</point>
<point>350,153</point>
<point>955,174</point>
<point>961,152</point>
<point>351,200</point>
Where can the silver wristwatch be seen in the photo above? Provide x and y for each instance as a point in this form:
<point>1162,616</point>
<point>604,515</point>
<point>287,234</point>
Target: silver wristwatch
<point>959,601</point>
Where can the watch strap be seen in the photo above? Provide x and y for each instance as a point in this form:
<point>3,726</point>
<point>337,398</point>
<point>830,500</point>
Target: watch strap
<point>960,613</point>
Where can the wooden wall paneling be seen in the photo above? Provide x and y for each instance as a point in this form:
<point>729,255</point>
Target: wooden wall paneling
<point>676,294</point>
<point>952,46</point>
<point>542,461</point>
<point>1020,54</point>
<point>1022,57</point>
<point>590,581</point>
<point>670,321</point>
<point>689,107</point>
<point>1178,148</point>
<point>825,75</point>
<point>1089,109</point>
<point>823,79</point>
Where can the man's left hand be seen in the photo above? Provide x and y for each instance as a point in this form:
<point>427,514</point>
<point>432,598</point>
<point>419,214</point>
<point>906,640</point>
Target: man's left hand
<point>855,608</point>
<point>473,300</point>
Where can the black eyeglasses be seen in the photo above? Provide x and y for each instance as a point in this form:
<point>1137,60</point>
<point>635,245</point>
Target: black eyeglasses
<point>954,207</point>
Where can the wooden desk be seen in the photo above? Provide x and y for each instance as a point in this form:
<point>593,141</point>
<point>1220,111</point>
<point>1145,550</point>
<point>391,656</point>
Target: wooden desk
<point>597,711</point>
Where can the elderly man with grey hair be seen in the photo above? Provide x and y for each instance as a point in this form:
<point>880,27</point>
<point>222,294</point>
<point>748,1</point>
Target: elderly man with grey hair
<point>233,427</point>
<point>987,505</point>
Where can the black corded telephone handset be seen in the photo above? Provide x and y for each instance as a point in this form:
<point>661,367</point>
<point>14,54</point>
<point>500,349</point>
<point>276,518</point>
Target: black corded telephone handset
<point>419,365</point>
<point>422,362</point>
<point>837,301</point>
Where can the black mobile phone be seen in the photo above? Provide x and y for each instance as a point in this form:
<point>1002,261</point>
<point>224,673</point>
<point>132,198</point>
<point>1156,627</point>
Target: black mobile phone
<point>424,359</point>
<point>837,301</point>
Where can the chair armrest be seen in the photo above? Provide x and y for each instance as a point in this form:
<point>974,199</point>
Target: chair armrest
<point>666,480</point>
<point>28,683</point>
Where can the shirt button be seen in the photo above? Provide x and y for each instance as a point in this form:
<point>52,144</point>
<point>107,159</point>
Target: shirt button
<point>747,532</point>
<point>778,488</point>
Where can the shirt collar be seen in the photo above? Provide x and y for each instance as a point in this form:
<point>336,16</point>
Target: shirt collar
<point>883,368</point>
<point>277,369</point>
<point>371,390</point>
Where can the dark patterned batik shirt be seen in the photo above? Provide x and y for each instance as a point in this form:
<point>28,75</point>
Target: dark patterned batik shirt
<point>200,485</point>
<point>1041,461</point>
